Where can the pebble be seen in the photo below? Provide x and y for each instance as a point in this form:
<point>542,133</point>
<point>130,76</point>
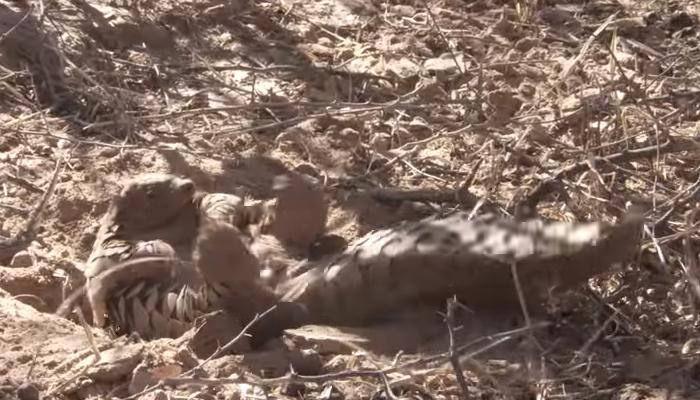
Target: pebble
<point>64,144</point>
<point>109,152</point>
<point>22,259</point>
<point>294,389</point>
<point>403,10</point>
<point>27,391</point>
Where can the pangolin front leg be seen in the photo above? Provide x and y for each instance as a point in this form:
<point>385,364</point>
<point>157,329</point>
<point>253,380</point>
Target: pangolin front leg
<point>285,228</point>
<point>232,274</point>
<point>279,232</point>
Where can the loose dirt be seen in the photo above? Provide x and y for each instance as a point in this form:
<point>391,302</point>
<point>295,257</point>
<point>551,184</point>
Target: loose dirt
<point>402,109</point>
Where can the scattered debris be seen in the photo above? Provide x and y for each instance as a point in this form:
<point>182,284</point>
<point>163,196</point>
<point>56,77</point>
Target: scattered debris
<point>563,110</point>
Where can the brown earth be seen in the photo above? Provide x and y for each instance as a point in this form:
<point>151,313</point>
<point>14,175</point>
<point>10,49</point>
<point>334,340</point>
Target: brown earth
<point>402,109</point>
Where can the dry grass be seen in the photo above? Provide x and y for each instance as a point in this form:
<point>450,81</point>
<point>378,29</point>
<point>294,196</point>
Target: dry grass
<point>573,112</point>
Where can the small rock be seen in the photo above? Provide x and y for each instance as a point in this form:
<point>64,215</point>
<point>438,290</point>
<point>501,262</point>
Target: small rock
<point>680,20</point>
<point>87,238</point>
<point>27,391</point>
<point>691,347</point>
<point>380,142</point>
<point>72,209</point>
<point>22,259</point>
<point>403,10</point>
<point>270,360</point>
<point>507,30</point>
<point>527,90</point>
<point>187,358</point>
<point>146,376</point>
<point>115,363</point>
<point>330,392</point>
<point>325,41</point>
<point>403,67</point>
<point>526,44</point>
<point>109,152</point>
<point>307,169</point>
<point>347,137</point>
<point>221,367</point>
<point>445,63</point>
<point>157,394</point>
<point>43,150</point>
<point>63,144</point>
<point>505,105</point>
<point>293,389</point>
<point>306,361</point>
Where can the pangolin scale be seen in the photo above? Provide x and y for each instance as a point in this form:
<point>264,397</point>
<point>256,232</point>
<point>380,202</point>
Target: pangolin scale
<point>433,259</point>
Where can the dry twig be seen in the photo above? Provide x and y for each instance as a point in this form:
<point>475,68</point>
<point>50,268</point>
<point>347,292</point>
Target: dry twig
<point>454,358</point>
<point>544,188</point>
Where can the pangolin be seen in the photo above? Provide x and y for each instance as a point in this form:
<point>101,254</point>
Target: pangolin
<point>161,295</point>
<point>421,262</point>
<point>230,234</point>
<point>157,217</point>
<point>154,215</point>
<point>426,262</point>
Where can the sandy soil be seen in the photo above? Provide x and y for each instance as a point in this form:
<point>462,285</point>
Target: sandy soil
<point>402,109</point>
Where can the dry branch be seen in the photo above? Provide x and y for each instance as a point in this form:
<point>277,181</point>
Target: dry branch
<point>452,354</point>
<point>546,187</point>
